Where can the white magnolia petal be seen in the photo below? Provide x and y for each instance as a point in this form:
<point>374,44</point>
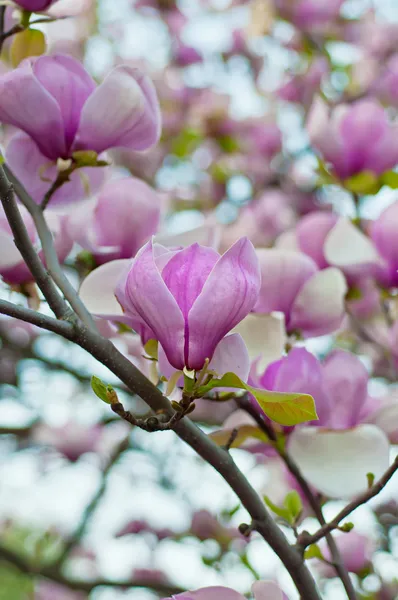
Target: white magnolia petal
<point>346,246</point>
<point>98,289</point>
<point>267,590</point>
<point>336,462</point>
<point>264,336</point>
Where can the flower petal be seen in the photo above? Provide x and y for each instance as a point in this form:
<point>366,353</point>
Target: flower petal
<point>336,462</point>
<point>283,273</point>
<point>267,590</point>
<point>37,174</point>
<point>299,371</point>
<point>122,112</point>
<point>186,272</point>
<point>346,380</point>
<point>26,104</point>
<point>147,294</point>
<point>319,307</point>
<point>229,294</point>
<point>264,336</point>
<point>98,290</point>
<point>349,249</point>
<point>231,356</point>
<point>69,84</point>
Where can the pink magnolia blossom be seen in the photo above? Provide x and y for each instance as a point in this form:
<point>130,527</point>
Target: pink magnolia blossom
<point>61,110</point>
<point>116,224</point>
<point>354,138</point>
<point>261,590</point>
<point>13,268</point>
<point>301,87</point>
<point>355,552</point>
<point>312,301</point>
<point>72,439</point>
<point>187,299</point>
<point>336,452</point>
<point>35,5</point>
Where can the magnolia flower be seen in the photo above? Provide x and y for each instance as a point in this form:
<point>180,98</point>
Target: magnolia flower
<point>312,301</point>
<point>336,452</point>
<point>355,553</point>
<point>383,233</point>
<point>13,268</point>
<point>354,138</point>
<point>117,223</point>
<point>187,299</point>
<point>261,590</point>
<point>61,110</point>
<point>35,5</point>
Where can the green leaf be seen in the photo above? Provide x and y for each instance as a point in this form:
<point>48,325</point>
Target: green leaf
<point>390,178</point>
<point>293,504</point>
<point>371,479</point>
<point>151,349</point>
<point>278,510</point>
<point>313,551</point>
<point>245,432</point>
<point>283,408</point>
<point>363,183</point>
<point>346,527</point>
<point>100,389</point>
<point>30,42</point>
<point>186,142</point>
<point>228,143</point>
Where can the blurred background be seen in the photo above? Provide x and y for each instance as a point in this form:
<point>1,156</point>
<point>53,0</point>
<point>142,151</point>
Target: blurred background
<point>133,515</point>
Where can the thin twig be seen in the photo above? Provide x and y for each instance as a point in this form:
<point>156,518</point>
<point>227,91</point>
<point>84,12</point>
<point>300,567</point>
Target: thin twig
<point>77,535</point>
<point>244,403</point>
<point>306,539</point>
<point>47,242</point>
<point>24,245</point>
<point>49,572</point>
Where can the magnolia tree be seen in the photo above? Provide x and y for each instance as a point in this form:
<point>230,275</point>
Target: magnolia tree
<point>199,265</point>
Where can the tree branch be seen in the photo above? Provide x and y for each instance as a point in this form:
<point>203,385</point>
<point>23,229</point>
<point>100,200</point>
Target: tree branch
<point>24,245</point>
<point>305,539</point>
<point>28,315</point>
<point>52,262</point>
<point>244,403</point>
<point>49,572</point>
<point>91,507</point>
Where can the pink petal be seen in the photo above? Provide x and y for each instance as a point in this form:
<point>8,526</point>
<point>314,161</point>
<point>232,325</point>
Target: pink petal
<point>319,308</point>
<point>122,112</point>
<point>231,355</point>
<point>147,295</point>
<point>26,104</point>
<point>229,294</point>
<point>69,84</point>
<point>283,274</point>
<point>346,380</point>
<point>267,590</point>
<point>311,232</point>
<point>186,273</point>
<point>37,174</point>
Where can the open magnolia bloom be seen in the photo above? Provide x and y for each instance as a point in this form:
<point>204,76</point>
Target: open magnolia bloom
<point>354,138</point>
<point>336,456</point>
<point>187,299</point>
<point>311,300</point>
<point>61,110</point>
<point>261,590</point>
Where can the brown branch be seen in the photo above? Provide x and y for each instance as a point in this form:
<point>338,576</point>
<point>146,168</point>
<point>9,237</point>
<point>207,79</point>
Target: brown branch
<point>49,572</point>
<point>244,403</point>
<point>305,539</point>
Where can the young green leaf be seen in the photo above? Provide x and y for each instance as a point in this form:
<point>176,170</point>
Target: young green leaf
<point>283,408</point>
<point>245,432</point>
<point>100,389</point>
<point>293,504</point>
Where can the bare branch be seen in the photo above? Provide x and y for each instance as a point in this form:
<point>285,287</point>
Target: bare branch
<point>47,242</point>
<point>49,572</point>
<point>24,245</point>
<point>305,539</point>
